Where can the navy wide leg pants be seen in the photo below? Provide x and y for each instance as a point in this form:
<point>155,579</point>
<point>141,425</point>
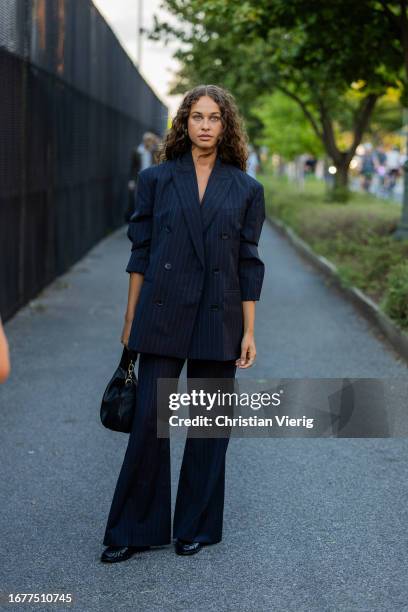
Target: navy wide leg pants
<point>140,512</point>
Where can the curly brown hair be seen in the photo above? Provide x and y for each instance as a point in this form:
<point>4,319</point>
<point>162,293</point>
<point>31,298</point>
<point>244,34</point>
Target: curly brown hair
<point>232,147</point>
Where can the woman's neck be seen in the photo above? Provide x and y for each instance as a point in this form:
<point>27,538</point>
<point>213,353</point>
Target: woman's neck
<point>203,158</point>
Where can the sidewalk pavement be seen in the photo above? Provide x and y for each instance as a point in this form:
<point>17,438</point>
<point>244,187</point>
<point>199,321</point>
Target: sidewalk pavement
<point>309,525</point>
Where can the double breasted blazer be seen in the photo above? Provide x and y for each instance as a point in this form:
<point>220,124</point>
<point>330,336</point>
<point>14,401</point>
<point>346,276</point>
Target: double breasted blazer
<point>199,260</point>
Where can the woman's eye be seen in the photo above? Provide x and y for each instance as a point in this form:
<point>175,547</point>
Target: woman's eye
<point>212,119</point>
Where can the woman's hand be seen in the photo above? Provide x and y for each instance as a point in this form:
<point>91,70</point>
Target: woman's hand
<point>126,331</point>
<point>248,351</point>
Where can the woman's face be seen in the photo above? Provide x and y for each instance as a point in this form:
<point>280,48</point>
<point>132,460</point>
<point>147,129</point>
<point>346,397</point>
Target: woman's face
<point>204,123</point>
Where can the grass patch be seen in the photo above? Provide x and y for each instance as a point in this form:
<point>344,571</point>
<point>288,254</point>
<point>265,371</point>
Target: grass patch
<point>356,236</point>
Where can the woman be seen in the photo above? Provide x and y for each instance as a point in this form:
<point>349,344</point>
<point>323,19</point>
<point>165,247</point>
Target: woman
<point>195,275</point>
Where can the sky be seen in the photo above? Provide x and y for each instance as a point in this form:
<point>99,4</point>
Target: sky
<point>157,65</point>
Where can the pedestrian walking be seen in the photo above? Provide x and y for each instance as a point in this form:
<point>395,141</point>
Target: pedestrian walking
<point>143,156</point>
<point>195,277</point>
<point>145,150</point>
<point>380,159</point>
<point>367,167</point>
<point>135,167</point>
<point>393,169</point>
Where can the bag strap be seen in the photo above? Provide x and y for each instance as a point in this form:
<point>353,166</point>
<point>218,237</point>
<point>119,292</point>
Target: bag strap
<point>127,356</point>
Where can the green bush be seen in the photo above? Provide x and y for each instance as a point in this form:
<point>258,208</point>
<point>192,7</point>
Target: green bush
<point>356,237</point>
<point>396,301</point>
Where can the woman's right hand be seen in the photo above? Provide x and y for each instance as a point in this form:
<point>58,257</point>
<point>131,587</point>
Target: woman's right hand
<point>126,331</point>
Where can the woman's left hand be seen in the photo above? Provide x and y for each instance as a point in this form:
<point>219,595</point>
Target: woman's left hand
<point>248,351</point>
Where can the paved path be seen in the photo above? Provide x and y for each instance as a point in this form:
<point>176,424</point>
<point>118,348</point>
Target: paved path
<point>310,525</point>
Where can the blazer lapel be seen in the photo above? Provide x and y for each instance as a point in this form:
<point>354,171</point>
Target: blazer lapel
<point>215,193</point>
<point>199,216</point>
<point>186,185</point>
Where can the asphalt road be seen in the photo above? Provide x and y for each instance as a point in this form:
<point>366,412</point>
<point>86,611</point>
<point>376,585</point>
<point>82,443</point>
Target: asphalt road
<point>309,524</point>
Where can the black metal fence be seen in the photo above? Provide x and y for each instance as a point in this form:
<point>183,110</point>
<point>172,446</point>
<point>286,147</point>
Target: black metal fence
<point>72,108</point>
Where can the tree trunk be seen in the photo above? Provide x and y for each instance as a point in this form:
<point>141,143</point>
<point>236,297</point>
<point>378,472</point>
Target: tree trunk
<point>340,191</point>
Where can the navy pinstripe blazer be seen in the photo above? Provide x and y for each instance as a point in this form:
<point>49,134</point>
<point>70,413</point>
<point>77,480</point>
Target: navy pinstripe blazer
<point>199,261</point>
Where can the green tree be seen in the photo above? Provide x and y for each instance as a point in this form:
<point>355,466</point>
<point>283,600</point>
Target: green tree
<point>395,15</point>
<point>286,131</point>
<point>387,117</point>
<point>332,59</point>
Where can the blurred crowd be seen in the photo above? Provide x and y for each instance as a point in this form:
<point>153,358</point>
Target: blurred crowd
<point>378,168</point>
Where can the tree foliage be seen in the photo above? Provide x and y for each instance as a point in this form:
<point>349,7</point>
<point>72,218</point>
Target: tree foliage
<point>333,59</point>
<point>286,131</point>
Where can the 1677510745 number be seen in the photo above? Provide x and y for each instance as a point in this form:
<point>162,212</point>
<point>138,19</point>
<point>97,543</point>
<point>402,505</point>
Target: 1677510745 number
<point>40,598</point>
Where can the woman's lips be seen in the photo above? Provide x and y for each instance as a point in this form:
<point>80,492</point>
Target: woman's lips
<point>205,137</point>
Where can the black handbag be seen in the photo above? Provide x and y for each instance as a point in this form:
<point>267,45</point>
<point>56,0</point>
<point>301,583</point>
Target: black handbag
<point>119,399</point>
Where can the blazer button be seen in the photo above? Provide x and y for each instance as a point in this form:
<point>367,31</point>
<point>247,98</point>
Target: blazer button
<point>167,265</point>
<point>167,229</point>
<point>214,307</point>
<point>224,236</point>
<point>159,303</point>
<point>216,270</point>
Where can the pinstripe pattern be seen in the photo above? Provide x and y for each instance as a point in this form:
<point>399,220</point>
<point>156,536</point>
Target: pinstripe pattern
<point>140,512</point>
<point>199,261</point>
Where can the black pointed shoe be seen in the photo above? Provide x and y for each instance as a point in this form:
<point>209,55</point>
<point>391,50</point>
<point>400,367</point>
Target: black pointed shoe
<point>187,548</point>
<point>114,554</point>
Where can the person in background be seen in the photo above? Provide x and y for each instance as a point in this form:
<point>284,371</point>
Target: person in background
<point>155,149</point>
<point>133,174</point>
<point>143,156</point>
<point>367,167</point>
<point>310,165</point>
<point>252,162</point>
<point>380,160</point>
<point>4,356</point>
<point>145,150</point>
<point>393,168</point>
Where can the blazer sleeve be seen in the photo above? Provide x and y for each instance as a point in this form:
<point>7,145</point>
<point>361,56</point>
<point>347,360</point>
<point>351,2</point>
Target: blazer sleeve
<point>251,268</point>
<point>141,223</point>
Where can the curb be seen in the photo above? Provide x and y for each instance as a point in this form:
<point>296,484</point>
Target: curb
<point>396,337</point>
